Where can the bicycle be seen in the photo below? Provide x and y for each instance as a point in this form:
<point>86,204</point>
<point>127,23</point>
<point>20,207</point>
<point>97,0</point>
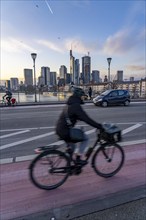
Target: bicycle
<point>3,102</point>
<point>56,166</point>
<point>9,102</point>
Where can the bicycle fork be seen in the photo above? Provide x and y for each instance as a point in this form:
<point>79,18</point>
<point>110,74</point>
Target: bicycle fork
<point>108,154</point>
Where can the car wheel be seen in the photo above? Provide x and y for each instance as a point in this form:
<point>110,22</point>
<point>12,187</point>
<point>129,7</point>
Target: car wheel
<point>126,103</point>
<point>104,104</point>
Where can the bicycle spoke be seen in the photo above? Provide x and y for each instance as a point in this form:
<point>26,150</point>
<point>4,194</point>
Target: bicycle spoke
<point>108,160</point>
<point>49,171</point>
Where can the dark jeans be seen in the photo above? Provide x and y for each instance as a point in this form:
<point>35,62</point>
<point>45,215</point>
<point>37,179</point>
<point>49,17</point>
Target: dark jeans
<point>8,98</point>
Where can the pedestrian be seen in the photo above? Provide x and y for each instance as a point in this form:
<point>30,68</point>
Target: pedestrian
<point>90,93</point>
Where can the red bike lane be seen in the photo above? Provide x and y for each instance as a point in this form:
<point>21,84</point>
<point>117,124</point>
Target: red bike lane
<point>19,197</point>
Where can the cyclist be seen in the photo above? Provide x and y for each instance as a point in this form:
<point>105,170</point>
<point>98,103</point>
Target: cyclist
<point>8,96</point>
<point>75,113</point>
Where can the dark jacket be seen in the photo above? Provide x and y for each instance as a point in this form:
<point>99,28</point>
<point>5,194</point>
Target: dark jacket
<point>8,94</point>
<point>75,113</point>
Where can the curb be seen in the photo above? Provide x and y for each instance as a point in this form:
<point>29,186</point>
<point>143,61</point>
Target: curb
<point>32,156</point>
<point>90,206</point>
<point>58,102</point>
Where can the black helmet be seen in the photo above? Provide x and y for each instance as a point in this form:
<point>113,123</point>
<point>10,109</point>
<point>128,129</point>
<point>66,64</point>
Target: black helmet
<point>78,92</point>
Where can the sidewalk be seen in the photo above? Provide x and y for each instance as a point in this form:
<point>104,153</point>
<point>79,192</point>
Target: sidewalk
<point>82,197</point>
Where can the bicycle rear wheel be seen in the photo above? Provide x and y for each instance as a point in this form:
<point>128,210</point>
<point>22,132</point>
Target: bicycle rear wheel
<point>108,160</point>
<point>49,169</point>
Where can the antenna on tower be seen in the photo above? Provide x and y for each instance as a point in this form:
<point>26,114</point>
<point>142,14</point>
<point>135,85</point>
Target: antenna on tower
<point>88,53</point>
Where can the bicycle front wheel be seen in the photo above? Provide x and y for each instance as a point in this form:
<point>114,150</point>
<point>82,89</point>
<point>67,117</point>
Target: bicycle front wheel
<point>108,160</point>
<point>49,169</point>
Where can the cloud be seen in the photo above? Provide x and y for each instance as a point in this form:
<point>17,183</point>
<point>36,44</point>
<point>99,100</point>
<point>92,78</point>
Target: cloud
<point>15,46</point>
<point>135,67</point>
<point>50,45</point>
<point>142,34</point>
<point>121,42</point>
<point>79,46</point>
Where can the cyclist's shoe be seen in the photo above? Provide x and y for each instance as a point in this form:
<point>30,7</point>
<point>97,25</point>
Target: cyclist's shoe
<point>81,162</point>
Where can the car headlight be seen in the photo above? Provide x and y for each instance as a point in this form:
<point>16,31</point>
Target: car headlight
<point>99,100</point>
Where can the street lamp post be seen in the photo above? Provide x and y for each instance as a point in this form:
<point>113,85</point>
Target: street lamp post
<point>34,55</point>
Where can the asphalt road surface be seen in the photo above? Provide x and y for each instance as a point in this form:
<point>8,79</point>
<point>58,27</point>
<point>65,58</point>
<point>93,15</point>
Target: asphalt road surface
<point>27,127</point>
<point>86,196</point>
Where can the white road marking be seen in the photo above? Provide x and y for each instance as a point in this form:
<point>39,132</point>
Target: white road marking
<point>20,129</point>
<point>126,143</point>
<point>79,125</point>
<point>94,130</point>
<point>60,142</point>
<point>6,160</point>
<point>30,157</point>
<point>12,134</point>
<point>26,140</point>
<point>131,128</point>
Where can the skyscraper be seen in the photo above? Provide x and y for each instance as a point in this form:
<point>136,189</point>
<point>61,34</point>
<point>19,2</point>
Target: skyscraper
<point>53,78</point>
<point>95,76</point>
<point>45,73</point>
<point>28,77</point>
<point>72,66</point>
<point>120,75</point>
<point>77,72</point>
<point>86,69</point>
<point>62,71</point>
<point>14,83</point>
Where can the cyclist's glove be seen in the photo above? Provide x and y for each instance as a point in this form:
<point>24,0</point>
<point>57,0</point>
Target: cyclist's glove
<point>100,127</point>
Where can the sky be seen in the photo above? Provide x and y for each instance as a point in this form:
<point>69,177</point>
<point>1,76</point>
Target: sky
<point>50,28</point>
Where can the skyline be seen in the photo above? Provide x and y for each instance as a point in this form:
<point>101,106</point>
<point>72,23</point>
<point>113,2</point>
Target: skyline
<point>51,28</point>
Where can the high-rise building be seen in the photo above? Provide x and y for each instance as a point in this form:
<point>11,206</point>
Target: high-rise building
<point>53,76</point>
<point>40,81</point>
<point>120,75</point>
<point>45,73</point>
<point>77,72</point>
<point>86,69</point>
<point>62,72</point>
<point>28,77</point>
<point>8,84</point>
<point>72,66</point>
<point>95,76</point>
<point>68,79</point>
<point>14,83</point>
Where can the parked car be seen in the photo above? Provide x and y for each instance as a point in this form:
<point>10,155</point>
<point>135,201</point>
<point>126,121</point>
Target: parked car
<point>112,97</point>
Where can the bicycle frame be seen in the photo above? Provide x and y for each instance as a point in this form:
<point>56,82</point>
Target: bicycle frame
<point>70,153</point>
<point>63,164</point>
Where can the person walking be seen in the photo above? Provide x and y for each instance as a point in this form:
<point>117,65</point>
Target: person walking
<point>90,93</point>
